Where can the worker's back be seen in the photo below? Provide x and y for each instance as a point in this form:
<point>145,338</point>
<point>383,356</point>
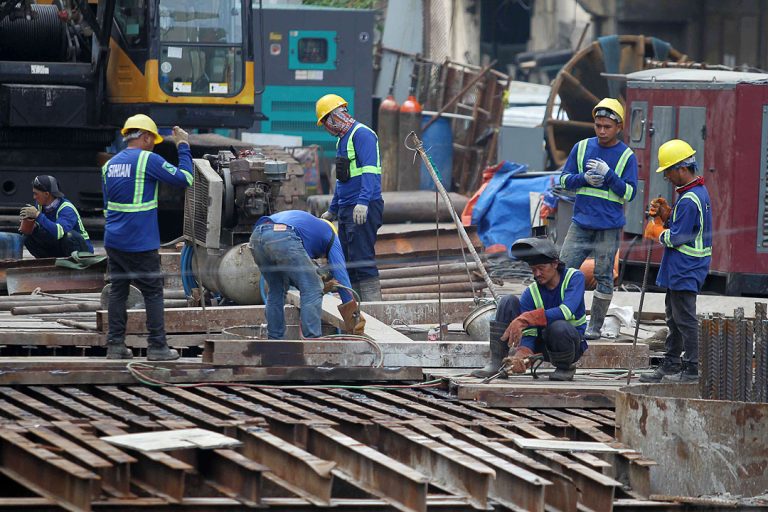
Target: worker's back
<point>316,234</point>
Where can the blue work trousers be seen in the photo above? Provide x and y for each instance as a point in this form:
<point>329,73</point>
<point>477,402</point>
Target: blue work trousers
<point>358,241</point>
<point>283,261</point>
<point>580,243</point>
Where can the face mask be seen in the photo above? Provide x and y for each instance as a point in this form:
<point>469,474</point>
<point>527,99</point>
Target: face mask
<point>339,122</point>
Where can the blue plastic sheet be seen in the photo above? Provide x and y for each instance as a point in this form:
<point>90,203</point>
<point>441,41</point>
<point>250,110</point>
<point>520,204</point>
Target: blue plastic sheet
<point>502,213</point>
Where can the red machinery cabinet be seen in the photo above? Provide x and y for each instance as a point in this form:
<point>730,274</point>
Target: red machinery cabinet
<point>724,116</point>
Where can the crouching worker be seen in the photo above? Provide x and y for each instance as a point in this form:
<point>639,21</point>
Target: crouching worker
<point>548,318</point>
<point>283,246</point>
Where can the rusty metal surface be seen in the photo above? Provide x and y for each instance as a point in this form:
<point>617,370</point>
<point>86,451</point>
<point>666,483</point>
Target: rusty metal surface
<point>54,279</point>
<point>702,447</point>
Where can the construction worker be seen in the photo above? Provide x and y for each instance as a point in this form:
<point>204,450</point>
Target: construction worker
<point>357,202</point>
<point>685,231</point>
<point>52,228</point>
<point>549,317</point>
<point>283,245</point>
<point>130,183</point>
<point>603,172</point>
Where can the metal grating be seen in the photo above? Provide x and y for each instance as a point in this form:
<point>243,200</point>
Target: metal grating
<point>196,209</point>
<point>762,225</point>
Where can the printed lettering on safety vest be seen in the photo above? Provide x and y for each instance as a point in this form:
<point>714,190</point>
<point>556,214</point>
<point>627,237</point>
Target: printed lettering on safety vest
<point>119,171</point>
<point>170,168</point>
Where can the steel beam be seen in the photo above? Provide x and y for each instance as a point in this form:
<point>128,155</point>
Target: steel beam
<point>513,394</point>
<point>54,279</point>
<point>232,474</point>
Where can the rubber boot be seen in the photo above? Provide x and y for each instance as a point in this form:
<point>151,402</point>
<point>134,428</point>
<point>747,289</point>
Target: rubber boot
<point>597,317</point>
<point>689,372</point>
<point>370,289</point>
<point>499,350</point>
<point>159,351</point>
<point>667,368</point>
<point>564,367</point>
<point>118,350</point>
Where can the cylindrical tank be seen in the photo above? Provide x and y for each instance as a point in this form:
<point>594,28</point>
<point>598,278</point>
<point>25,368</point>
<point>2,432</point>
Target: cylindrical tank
<point>388,142</point>
<point>438,141</point>
<point>409,121</point>
<point>11,246</point>
<point>230,272</point>
<point>478,323</point>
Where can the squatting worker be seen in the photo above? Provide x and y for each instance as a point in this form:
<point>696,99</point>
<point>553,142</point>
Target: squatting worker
<point>603,172</point>
<point>130,182</point>
<point>357,202</point>
<point>685,232</point>
<point>283,246</point>
<point>52,228</point>
<point>548,318</point>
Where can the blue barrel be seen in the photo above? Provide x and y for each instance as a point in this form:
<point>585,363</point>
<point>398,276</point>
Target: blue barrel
<point>438,141</point>
<point>11,246</point>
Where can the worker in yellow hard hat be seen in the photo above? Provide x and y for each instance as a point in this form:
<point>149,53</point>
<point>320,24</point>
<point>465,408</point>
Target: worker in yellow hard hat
<point>602,171</point>
<point>130,181</point>
<point>357,202</point>
<point>685,231</point>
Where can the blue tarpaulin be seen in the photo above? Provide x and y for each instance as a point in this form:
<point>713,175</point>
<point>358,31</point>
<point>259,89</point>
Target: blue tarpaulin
<point>502,213</point>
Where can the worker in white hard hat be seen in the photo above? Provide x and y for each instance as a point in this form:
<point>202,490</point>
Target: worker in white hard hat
<point>685,231</point>
<point>130,181</point>
<point>357,202</point>
<point>602,170</point>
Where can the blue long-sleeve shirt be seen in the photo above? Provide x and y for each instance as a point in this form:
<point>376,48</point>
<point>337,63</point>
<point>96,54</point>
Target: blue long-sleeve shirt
<point>600,207</point>
<point>366,187</point>
<point>130,183</point>
<point>559,304</point>
<point>687,242</point>
<point>61,217</point>
<point>315,235</point>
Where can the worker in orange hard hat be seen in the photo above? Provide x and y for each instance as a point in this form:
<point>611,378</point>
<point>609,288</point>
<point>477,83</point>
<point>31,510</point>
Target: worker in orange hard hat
<point>602,171</point>
<point>357,202</point>
<point>685,231</point>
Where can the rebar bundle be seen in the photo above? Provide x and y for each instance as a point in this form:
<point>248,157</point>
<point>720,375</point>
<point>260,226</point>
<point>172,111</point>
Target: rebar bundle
<point>727,370</point>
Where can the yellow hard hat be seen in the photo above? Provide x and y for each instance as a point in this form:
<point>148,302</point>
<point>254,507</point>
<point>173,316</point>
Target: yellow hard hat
<point>326,105</point>
<point>141,122</point>
<point>612,105</point>
<point>333,226</point>
<point>673,152</point>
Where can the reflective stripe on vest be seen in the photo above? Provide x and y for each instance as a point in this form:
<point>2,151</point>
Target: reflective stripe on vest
<point>354,170</point>
<point>138,189</point>
<point>567,313</point>
<point>697,250</point>
<point>608,195</point>
<point>60,231</point>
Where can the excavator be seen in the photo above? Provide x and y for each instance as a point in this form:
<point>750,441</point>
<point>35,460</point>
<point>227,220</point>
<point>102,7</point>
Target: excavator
<point>72,71</point>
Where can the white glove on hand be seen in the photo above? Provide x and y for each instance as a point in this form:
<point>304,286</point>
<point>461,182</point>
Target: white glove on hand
<point>29,212</point>
<point>329,216</point>
<point>360,214</point>
<point>179,135</point>
<point>597,166</point>
<point>594,179</point>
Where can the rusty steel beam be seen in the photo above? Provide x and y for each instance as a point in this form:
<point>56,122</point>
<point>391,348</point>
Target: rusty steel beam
<point>540,396</point>
<point>45,473</point>
<point>401,486</point>
<point>52,279</point>
<point>232,474</point>
<point>291,467</point>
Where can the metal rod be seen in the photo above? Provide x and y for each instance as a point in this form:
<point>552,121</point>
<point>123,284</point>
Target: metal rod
<point>640,309</point>
<point>456,220</point>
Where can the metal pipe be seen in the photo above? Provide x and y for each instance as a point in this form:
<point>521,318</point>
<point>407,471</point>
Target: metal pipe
<point>396,273</point>
<point>410,282</point>
<point>640,309</point>
<point>451,287</point>
<point>422,296</point>
<point>456,220</point>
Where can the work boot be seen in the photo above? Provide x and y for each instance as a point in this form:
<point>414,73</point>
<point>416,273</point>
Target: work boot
<point>118,350</point>
<point>597,317</point>
<point>370,289</point>
<point>563,374</point>
<point>689,372</point>
<point>159,351</point>
<point>563,363</point>
<point>666,368</point>
<point>499,350</point>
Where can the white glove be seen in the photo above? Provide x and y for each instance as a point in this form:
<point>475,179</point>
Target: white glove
<point>360,214</point>
<point>179,136</point>
<point>29,212</point>
<point>597,166</point>
<point>329,216</point>
<point>594,179</point>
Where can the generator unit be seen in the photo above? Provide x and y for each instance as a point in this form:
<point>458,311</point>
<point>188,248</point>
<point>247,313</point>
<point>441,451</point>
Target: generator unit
<point>310,52</point>
<point>723,115</point>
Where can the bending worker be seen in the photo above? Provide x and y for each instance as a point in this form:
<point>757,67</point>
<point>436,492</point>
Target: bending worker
<point>357,202</point>
<point>52,228</point>
<point>603,172</point>
<point>130,181</point>
<point>283,246</point>
<point>548,318</point>
<point>685,231</point>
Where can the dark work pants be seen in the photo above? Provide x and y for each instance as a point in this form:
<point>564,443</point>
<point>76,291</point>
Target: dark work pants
<point>358,241</point>
<point>680,309</point>
<point>561,341</point>
<point>143,269</point>
<point>42,244</point>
